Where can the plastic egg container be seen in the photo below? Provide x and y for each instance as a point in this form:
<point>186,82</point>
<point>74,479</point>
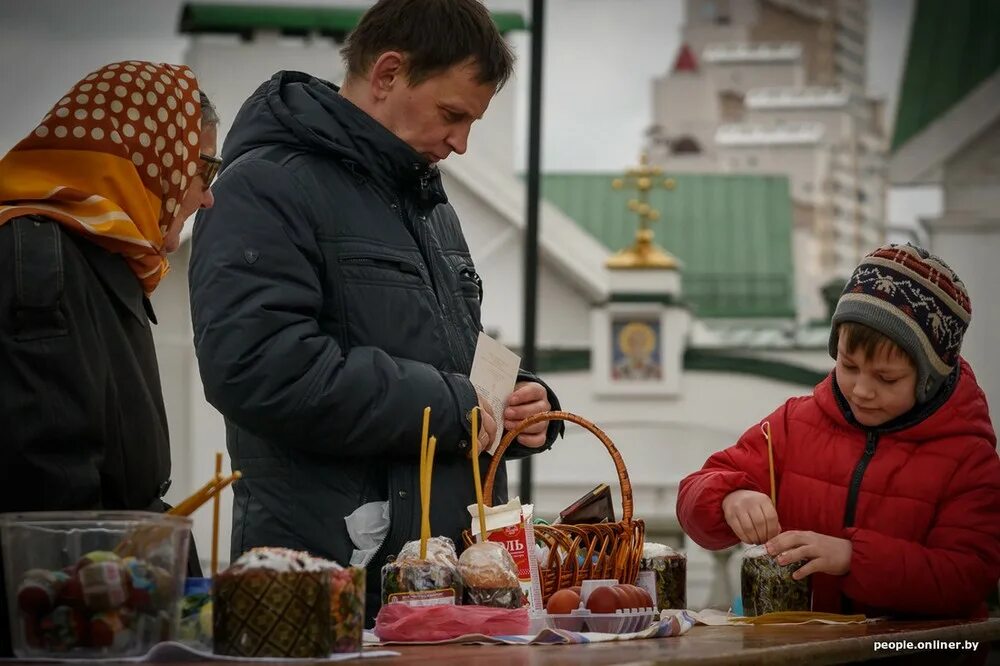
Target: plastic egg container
<point>621,621</point>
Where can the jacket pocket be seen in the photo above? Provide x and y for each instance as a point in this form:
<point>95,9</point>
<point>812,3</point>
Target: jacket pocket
<point>386,269</point>
<point>388,303</point>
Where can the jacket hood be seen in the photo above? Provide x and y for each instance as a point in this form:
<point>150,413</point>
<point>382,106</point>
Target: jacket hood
<point>959,409</point>
<point>309,114</point>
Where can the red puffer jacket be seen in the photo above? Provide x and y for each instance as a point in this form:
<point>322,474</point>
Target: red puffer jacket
<point>924,496</point>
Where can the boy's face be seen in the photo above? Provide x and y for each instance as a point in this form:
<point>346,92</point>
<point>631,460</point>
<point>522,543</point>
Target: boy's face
<point>879,388</point>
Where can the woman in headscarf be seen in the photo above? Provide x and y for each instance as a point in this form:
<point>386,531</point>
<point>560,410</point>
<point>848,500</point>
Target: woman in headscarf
<point>91,203</point>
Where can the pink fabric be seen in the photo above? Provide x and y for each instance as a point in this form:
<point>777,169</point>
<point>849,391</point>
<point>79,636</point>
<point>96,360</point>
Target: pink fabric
<point>399,622</point>
<point>926,536</point>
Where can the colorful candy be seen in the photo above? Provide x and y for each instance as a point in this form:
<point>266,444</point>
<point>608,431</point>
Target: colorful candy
<point>103,585</point>
<point>38,591</point>
<point>101,601</point>
<point>62,629</point>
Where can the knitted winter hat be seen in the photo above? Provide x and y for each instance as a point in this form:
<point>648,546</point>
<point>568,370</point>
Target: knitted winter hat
<point>914,299</point>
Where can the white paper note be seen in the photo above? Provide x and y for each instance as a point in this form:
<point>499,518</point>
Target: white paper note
<point>494,374</point>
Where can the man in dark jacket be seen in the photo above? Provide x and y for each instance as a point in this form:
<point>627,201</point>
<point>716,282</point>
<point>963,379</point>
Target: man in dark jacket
<point>334,297</point>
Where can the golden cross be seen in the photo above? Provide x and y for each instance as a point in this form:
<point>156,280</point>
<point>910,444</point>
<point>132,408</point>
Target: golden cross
<point>644,253</point>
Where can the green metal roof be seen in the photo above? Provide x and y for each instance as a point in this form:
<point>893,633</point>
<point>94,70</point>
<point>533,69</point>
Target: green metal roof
<point>954,46</point>
<point>732,232</point>
<point>331,21</point>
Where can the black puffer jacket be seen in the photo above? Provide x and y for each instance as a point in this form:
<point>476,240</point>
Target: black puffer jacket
<point>333,298</point>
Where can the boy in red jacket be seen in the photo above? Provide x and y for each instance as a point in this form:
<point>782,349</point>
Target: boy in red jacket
<point>888,480</point>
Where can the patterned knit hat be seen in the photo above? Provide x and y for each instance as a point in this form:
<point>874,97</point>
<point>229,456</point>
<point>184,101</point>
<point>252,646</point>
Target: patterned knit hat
<point>914,299</point>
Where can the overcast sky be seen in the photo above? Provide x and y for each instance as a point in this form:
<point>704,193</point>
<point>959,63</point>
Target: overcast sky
<point>601,57</point>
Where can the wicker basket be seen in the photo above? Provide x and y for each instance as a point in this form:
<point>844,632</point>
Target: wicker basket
<point>609,550</point>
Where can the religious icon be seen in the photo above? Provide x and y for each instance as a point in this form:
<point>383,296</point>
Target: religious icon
<point>636,352</point>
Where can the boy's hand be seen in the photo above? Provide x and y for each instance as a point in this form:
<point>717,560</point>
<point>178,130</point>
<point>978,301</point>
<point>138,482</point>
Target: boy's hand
<point>751,515</point>
<point>825,554</point>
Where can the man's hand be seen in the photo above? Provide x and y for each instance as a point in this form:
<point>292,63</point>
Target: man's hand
<point>528,399</point>
<point>487,425</point>
<point>751,515</point>
<point>824,554</point>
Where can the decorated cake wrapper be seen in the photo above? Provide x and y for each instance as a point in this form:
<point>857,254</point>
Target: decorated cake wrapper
<point>347,608</point>
<point>421,583</point>
<point>663,573</point>
<point>267,613</point>
<point>768,587</point>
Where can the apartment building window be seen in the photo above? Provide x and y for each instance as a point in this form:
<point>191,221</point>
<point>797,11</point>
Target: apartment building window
<point>685,145</point>
<point>731,106</point>
<point>854,35</point>
<point>715,11</point>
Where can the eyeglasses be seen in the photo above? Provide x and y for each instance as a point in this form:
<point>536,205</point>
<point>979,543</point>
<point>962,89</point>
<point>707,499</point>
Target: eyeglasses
<point>209,168</point>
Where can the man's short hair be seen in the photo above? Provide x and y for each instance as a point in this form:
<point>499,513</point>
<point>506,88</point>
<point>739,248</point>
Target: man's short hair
<point>434,35</point>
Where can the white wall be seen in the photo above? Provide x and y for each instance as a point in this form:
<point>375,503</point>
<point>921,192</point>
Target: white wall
<point>967,237</point>
<point>685,104</point>
<point>497,247</point>
<point>970,245</point>
<point>229,69</point>
<point>836,120</point>
<point>972,177</point>
<point>741,77</point>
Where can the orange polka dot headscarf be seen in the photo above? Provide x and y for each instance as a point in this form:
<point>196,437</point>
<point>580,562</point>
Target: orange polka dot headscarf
<point>112,160</point>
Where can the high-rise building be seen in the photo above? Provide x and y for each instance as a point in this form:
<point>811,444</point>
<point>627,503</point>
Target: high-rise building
<point>778,87</point>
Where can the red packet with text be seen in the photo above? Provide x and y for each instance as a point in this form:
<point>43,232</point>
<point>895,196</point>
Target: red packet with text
<point>510,525</point>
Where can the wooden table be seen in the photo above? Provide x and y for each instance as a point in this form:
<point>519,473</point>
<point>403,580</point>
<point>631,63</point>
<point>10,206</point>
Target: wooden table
<point>704,646</point>
<point>709,646</point>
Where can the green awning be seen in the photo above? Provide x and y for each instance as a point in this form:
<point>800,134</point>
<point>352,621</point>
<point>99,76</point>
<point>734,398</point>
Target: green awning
<point>333,22</point>
<point>954,46</point>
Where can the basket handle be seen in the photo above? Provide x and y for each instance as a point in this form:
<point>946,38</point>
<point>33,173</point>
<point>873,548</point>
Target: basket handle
<point>508,439</point>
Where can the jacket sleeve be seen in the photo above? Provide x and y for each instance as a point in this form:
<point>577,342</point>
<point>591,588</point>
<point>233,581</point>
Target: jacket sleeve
<point>958,564</point>
<point>256,297</point>
<point>555,429</point>
<point>743,466</point>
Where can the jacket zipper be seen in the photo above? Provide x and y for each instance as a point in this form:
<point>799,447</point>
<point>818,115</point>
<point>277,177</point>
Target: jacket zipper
<point>859,472</point>
<point>455,349</point>
<point>871,441</point>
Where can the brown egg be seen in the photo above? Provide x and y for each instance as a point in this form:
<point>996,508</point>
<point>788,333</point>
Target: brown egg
<point>627,596</point>
<point>562,602</point>
<point>624,597</point>
<point>603,600</point>
<point>647,600</point>
<point>577,588</point>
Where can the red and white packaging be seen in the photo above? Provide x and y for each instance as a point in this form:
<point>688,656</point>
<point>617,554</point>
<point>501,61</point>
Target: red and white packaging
<point>510,525</point>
